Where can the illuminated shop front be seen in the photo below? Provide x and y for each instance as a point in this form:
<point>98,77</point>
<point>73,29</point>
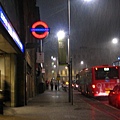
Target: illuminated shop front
<point>10,47</point>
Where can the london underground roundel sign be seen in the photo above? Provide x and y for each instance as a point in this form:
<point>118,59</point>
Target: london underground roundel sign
<point>40,30</point>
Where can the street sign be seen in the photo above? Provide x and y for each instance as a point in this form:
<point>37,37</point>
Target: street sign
<point>58,77</point>
<point>43,70</point>
<point>40,57</point>
<point>40,30</point>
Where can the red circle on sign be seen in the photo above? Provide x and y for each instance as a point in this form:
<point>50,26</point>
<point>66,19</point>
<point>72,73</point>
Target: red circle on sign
<point>40,23</point>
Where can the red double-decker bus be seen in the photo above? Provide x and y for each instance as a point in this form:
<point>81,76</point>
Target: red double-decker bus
<point>98,80</point>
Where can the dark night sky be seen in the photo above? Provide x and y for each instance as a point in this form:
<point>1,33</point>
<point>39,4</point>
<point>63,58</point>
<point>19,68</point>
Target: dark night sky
<point>93,24</point>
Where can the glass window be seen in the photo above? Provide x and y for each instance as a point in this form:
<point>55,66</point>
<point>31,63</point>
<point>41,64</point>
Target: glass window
<point>106,73</point>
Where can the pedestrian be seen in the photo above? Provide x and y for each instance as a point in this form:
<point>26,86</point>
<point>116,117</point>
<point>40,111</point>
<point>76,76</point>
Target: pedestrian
<point>56,84</point>
<point>47,84</point>
<point>6,91</point>
<point>51,84</point>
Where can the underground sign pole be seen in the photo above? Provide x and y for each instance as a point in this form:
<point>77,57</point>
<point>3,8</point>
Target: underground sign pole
<point>40,31</point>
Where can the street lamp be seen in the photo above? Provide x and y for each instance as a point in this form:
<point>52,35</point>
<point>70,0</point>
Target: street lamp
<point>82,63</point>
<point>87,0</point>
<point>69,65</point>
<point>69,20</point>
<point>61,35</point>
<point>115,40</point>
<point>70,59</point>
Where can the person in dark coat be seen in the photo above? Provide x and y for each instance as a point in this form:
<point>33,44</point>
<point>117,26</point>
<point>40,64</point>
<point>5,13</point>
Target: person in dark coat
<point>51,84</point>
<point>47,84</point>
<point>56,85</point>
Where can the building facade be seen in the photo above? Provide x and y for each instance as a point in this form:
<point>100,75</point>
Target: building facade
<point>17,62</point>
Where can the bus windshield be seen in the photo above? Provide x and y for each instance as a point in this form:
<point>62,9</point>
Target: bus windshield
<point>106,73</point>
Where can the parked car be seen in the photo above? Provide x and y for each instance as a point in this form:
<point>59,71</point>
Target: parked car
<point>114,96</point>
<point>75,84</point>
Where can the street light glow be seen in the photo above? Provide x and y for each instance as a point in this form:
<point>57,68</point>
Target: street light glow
<point>61,35</point>
<point>87,0</point>
<point>54,66</point>
<point>115,41</point>
<point>81,62</point>
<point>66,67</point>
<point>54,59</point>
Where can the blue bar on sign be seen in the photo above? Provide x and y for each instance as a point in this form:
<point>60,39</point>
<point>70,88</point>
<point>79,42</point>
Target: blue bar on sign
<point>40,29</point>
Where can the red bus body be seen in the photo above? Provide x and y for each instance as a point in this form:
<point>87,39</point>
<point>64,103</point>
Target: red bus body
<point>98,80</point>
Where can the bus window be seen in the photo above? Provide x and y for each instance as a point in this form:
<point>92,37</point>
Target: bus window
<point>111,73</point>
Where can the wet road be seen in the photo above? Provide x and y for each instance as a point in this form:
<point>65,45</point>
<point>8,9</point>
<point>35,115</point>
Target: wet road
<point>100,104</point>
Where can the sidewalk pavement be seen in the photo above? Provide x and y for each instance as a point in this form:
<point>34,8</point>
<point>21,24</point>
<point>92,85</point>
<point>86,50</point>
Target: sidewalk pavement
<point>51,105</point>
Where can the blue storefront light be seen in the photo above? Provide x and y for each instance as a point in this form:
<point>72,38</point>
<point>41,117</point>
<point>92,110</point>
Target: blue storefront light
<point>118,58</point>
<point>6,23</point>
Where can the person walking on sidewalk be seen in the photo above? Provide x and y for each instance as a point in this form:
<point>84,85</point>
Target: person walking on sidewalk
<point>51,84</point>
<point>56,85</point>
<point>47,84</point>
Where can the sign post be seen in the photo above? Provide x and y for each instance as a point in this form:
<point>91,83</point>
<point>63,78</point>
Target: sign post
<point>40,30</point>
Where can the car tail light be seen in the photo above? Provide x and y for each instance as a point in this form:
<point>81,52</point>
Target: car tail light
<point>93,86</point>
<point>77,86</point>
<point>113,92</point>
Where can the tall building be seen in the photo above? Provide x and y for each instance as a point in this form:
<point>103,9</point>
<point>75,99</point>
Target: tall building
<point>17,60</point>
